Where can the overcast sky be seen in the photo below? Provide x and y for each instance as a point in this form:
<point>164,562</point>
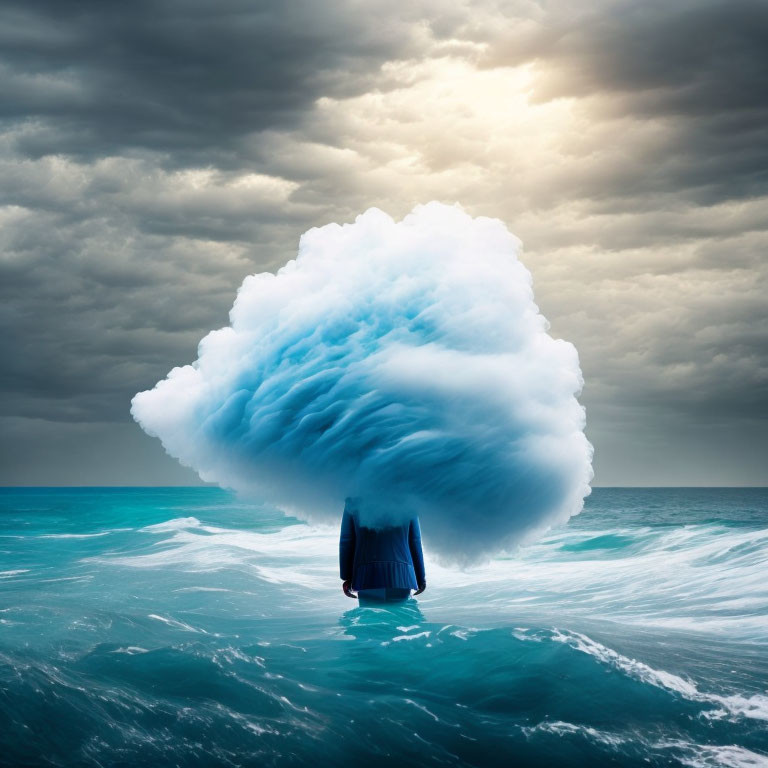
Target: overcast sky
<point>153,154</point>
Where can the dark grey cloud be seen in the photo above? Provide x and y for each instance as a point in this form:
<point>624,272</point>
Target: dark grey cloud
<point>696,68</point>
<point>185,78</point>
<point>94,307</point>
<point>685,57</point>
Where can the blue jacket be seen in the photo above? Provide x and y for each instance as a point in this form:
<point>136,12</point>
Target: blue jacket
<point>380,557</point>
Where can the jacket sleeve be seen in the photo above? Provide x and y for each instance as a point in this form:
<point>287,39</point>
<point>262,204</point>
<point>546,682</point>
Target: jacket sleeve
<point>346,546</point>
<point>414,542</point>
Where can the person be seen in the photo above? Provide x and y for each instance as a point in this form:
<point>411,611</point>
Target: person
<point>380,563</point>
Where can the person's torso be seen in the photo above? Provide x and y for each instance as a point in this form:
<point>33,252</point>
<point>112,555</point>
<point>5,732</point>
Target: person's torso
<point>382,544</point>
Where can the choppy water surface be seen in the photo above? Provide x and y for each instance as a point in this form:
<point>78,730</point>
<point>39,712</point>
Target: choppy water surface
<point>183,627</point>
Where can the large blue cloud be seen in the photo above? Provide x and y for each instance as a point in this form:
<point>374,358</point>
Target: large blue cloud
<point>405,364</point>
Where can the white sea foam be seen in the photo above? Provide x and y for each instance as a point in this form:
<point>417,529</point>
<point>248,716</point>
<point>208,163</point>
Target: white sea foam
<point>683,588</point>
<point>560,728</point>
<point>714,755</point>
<point>130,650</point>
<point>735,705</point>
<point>177,524</point>
<point>686,752</point>
<point>399,638</point>
<point>177,624</point>
<point>11,574</point>
<point>704,579</point>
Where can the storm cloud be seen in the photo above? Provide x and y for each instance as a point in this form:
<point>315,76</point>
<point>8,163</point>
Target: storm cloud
<point>153,155</point>
<point>185,79</point>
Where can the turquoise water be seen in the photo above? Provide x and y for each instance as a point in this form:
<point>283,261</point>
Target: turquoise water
<point>183,627</point>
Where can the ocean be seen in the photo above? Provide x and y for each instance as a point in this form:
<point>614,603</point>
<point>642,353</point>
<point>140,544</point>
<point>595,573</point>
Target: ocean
<point>185,627</point>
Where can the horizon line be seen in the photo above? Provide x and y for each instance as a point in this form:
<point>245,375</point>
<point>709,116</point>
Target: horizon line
<point>219,488</point>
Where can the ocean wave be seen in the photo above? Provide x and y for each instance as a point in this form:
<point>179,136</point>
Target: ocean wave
<point>211,640</point>
<point>734,705</point>
<point>714,755</point>
<point>700,578</point>
<point>176,524</point>
<point>686,753</point>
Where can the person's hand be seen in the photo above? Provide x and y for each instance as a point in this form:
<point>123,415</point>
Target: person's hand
<point>347,587</point>
<point>421,588</point>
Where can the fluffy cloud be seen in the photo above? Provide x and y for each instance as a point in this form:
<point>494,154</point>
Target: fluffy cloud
<point>403,364</point>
